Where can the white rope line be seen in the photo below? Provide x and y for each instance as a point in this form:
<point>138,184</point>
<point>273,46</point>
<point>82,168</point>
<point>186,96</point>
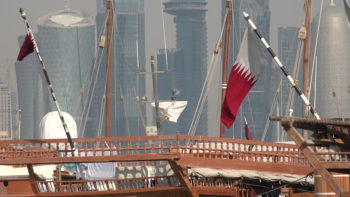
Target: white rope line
<point>164,37</point>
<point>206,86</point>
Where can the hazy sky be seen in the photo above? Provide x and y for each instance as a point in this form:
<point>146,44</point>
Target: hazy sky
<point>283,13</point>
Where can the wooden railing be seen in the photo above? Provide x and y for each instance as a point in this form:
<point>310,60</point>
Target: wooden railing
<point>106,185</point>
<point>141,148</point>
<point>120,185</point>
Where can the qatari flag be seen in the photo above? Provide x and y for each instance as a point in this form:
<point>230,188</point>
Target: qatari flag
<point>248,134</point>
<point>26,49</point>
<point>250,63</point>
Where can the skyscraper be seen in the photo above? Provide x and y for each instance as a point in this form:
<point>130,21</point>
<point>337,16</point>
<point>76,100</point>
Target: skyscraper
<point>66,39</point>
<point>5,111</point>
<point>27,75</point>
<point>332,55</point>
<point>287,51</point>
<point>257,103</point>
<point>191,38</point>
<point>128,59</point>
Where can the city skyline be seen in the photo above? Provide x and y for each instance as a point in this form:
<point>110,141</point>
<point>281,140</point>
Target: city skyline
<point>211,40</point>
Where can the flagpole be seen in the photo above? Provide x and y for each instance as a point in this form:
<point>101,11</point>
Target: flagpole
<point>279,63</point>
<point>224,79</point>
<point>29,31</point>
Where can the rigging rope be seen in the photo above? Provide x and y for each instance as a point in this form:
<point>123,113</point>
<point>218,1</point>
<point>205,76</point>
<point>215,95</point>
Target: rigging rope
<point>272,108</point>
<point>206,85</point>
<point>95,70</point>
<point>315,51</point>
<point>164,38</point>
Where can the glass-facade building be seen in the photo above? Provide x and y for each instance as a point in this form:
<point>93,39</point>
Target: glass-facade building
<point>27,75</point>
<point>66,39</point>
<point>287,51</point>
<point>5,111</point>
<point>191,38</point>
<point>128,60</point>
<point>332,55</point>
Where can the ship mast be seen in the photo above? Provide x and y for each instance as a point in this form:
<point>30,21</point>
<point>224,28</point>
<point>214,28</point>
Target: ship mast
<point>109,7</point>
<point>306,70</point>
<point>228,23</point>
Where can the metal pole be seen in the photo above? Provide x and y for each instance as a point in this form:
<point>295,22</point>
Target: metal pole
<point>155,93</point>
<point>29,31</point>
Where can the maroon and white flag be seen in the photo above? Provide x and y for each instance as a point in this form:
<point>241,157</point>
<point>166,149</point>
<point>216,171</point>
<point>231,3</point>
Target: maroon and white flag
<point>250,63</point>
<point>27,48</point>
<point>248,134</point>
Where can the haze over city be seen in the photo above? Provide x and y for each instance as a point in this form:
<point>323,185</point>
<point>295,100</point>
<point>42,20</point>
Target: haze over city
<point>283,13</point>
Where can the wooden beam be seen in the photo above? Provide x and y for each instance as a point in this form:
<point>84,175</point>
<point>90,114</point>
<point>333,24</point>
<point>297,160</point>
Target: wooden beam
<point>308,153</point>
<point>183,178</point>
<point>32,177</point>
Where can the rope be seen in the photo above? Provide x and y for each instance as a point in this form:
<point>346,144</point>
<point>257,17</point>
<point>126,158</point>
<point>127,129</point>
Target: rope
<point>314,56</point>
<point>206,86</point>
<point>164,38</point>
<point>130,80</point>
<point>272,108</point>
<point>290,102</point>
<point>93,83</point>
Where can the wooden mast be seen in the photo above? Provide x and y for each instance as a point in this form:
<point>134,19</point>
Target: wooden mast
<point>228,23</point>
<point>109,67</point>
<point>155,94</point>
<point>306,70</point>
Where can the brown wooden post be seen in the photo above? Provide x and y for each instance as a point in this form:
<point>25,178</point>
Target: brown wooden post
<point>308,153</point>
<point>109,69</point>
<point>32,178</point>
<point>226,57</point>
<point>306,73</point>
<point>183,179</point>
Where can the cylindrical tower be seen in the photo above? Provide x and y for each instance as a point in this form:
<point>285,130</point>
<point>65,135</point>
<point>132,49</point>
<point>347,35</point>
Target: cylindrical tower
<point>191,38</point>
<point>333,61</point>
<point>67,41</point>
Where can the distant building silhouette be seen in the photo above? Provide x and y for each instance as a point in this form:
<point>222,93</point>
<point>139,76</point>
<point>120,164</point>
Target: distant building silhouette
<point>333,46</point>
<point>6,119</point>
<point>128,60</point>
<point>169,80</point>
<point>28,77</point>
<point>191,38</point>
<point>287,51</point>
<point>66,39</point>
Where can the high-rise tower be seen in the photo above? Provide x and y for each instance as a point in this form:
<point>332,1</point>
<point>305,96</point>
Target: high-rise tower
<point>333,46</point>
<point>191,38</point>
<point>5,111</point>
<point>128,60</point>
<point>27,75</point>
<point>66,39</point>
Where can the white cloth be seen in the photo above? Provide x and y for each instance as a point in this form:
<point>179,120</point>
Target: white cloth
<point>171,110</point>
